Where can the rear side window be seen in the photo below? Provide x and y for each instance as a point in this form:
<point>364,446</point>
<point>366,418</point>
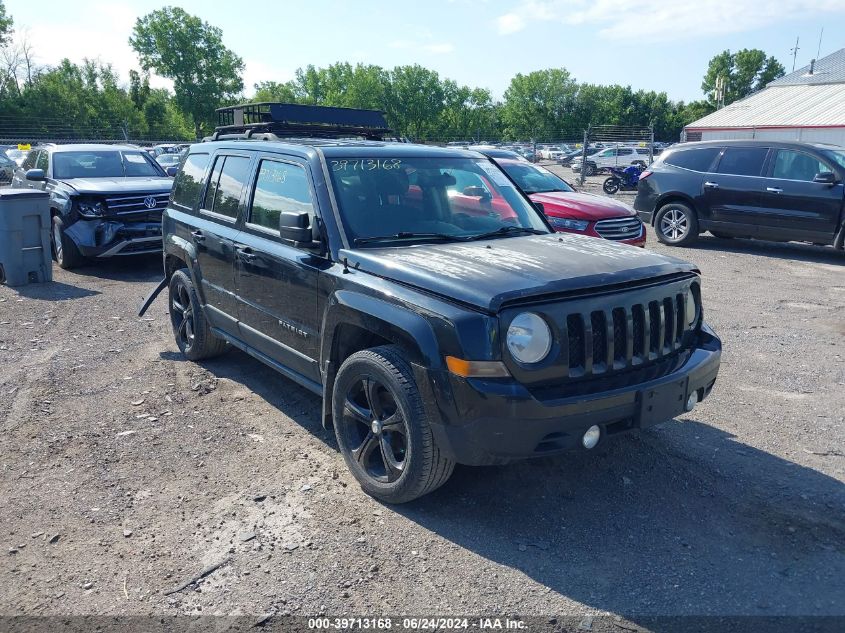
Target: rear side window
<point>694,159</point>
<point>279,187</point>
<point>227,182</point>
<point>188,183</point>
<point>743,161</point>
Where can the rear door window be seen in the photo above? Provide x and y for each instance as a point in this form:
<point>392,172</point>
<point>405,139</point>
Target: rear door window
<point>226,184</point>
<point>743,161</point>
<point>699,159</point>
<point>186,188</point>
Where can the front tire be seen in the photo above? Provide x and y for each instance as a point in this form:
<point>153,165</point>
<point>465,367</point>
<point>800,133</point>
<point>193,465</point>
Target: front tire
<point>590,170</point>
<point>676,224</point>
<point>190,327</point>
<point>65,251</point>
<point>611,185</point>
<point>382,429</point>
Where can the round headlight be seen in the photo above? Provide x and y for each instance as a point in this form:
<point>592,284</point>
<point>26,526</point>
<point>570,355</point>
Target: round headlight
<point>691,308</point>
<point>529,339</point>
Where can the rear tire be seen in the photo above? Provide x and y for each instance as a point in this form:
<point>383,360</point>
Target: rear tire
<point>676,224</point>
<point>190,327</point>
<point>65,251</point>
<point>382,429</point>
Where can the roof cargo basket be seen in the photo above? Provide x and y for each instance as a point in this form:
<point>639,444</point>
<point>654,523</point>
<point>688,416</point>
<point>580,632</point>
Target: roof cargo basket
<point>292,119</point>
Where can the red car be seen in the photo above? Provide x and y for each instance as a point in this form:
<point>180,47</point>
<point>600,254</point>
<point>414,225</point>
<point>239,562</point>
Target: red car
<point>573,212</point>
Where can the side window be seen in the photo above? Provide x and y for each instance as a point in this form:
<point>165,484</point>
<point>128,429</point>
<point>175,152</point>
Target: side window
<point>694,159</point>
<point>41,161</point>
<point>625,151</point>
<point>279,187</point>
<point>188,183</point>
<point>227,181</point>
<point>232,180</point>
<point>743,161</point>
<point>791,165</point>
<point>213,180</point>
<point>29,161</point>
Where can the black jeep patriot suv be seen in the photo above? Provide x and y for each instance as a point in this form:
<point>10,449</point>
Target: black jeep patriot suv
<point>437,326</point>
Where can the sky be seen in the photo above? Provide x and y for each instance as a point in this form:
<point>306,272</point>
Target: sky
<point>661,45</point>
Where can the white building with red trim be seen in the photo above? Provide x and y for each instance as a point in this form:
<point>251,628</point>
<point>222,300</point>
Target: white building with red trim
<point>807,105</point>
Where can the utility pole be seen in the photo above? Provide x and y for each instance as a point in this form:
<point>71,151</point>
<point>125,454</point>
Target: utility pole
<point>794,52</point>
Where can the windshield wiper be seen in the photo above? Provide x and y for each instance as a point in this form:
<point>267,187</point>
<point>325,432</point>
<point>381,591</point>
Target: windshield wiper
<point>408,235</point>
<point>507,230</point>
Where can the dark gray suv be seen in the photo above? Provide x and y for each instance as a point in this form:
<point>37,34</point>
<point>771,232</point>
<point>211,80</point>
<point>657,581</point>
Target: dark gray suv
<point>769,190</point>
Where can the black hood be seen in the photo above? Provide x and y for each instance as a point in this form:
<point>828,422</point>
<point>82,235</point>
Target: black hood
<point>490,273</point>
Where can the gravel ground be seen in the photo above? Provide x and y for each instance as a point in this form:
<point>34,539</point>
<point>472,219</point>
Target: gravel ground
<point>126,471</point>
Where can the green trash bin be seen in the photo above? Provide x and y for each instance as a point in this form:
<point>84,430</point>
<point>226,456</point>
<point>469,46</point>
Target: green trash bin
<point>25,237</point>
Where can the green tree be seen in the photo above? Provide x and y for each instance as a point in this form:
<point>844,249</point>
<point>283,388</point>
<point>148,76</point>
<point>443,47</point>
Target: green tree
<point>6,24</point>
<point>744,72</point>
<point>187,50</point>
<point>539,104</point>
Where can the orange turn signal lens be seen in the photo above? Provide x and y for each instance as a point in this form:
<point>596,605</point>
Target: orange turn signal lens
<point>477,368</point>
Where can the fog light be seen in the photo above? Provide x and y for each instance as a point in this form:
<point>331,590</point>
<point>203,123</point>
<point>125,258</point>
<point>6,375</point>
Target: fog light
<point>691,401</point>
<point>591,437</point>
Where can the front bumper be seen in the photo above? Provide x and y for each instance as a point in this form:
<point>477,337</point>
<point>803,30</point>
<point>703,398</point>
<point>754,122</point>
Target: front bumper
<point>484,422</point>
<point>108,238</point>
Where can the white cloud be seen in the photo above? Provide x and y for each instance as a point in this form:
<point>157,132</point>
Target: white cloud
<point>510,23</point>
<point>662,19</point>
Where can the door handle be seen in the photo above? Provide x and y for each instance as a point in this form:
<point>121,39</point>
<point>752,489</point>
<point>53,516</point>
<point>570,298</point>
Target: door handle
<point>198,236</point>
<point>774,189</point>
<point>711,185</point>
<point>246,254</point>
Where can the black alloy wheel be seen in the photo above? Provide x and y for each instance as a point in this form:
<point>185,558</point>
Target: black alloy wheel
<point>376,429</point>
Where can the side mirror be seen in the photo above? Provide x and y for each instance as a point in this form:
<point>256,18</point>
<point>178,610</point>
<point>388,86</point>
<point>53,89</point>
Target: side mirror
<point>172,171</point>
<point>477,192</point>
<point>539,206</point>
<point>35,174</point>
<point>824,178</point>
<point>296,227</point>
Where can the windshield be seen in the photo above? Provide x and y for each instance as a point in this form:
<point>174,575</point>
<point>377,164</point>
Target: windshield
<point>535,179</point>
<point>836,155</point>
<point>408,199</point>
<point>103,164</point>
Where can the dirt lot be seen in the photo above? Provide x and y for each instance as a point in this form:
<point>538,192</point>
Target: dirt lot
<point>125,471</point>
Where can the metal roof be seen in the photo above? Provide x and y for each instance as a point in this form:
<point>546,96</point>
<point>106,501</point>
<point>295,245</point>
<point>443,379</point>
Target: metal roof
<point>827,70</point>
<point>790,105</point>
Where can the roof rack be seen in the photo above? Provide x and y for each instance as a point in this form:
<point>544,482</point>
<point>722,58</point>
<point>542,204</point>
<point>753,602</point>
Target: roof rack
<point>293,119</point>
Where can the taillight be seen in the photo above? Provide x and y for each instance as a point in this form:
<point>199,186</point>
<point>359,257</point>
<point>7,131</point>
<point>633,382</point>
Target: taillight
<point>645,174</point>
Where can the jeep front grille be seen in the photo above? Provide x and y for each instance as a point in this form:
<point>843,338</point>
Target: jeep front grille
<point>620,228</point>
<point>619,337</point>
